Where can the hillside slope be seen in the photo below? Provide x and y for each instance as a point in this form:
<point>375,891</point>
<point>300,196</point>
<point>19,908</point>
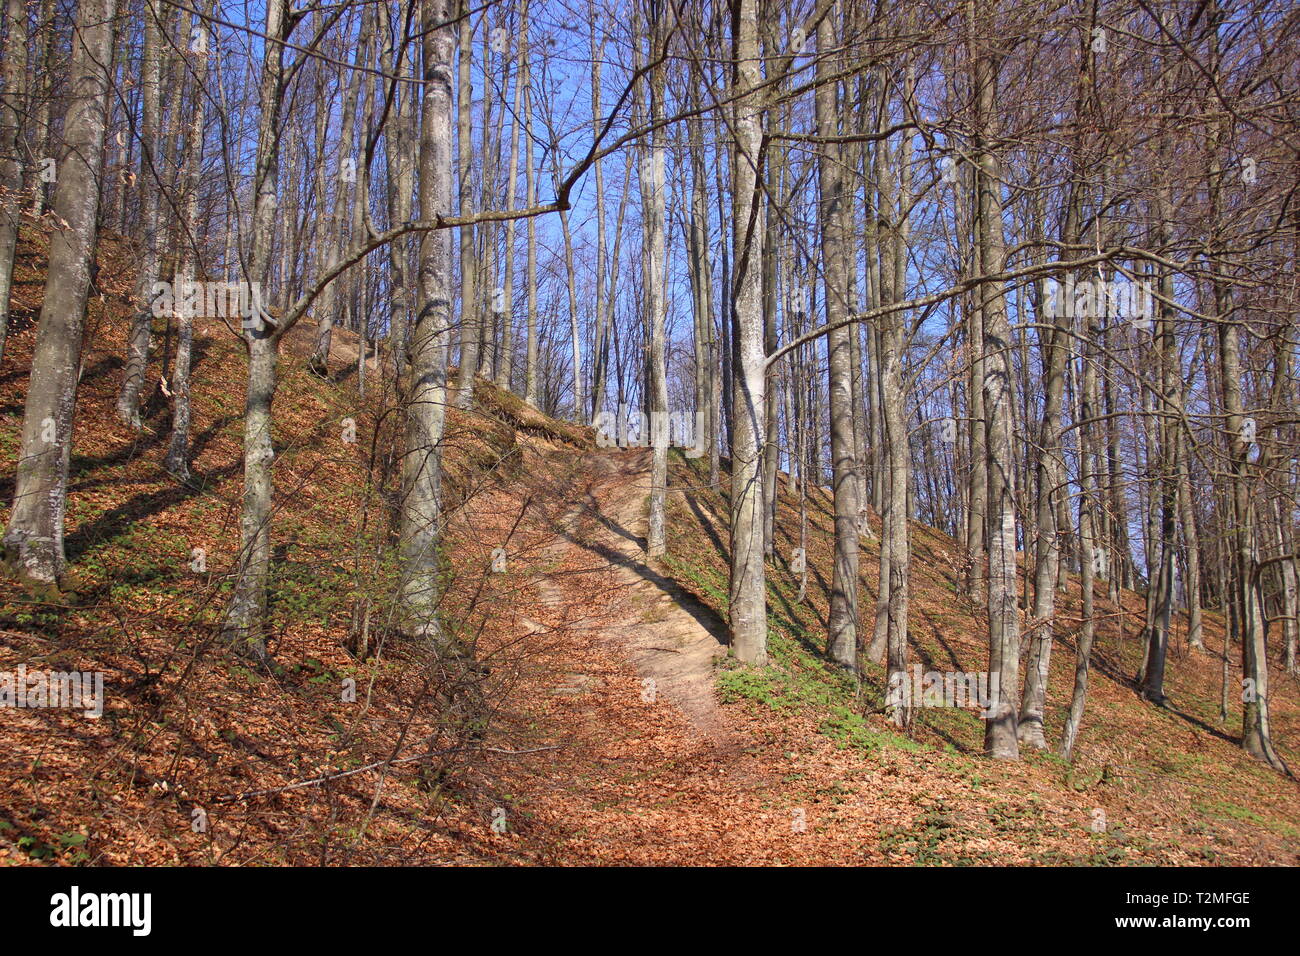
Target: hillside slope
<point>188,728</point>
<point>618,731</point>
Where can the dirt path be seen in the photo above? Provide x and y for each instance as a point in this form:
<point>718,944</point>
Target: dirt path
<point>669,637</point>
<point>650,767</point>
<point>618,666</point>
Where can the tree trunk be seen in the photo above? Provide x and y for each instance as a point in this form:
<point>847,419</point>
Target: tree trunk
<point>178,450</point>
<point>842,637</point>
<point>1256,731</point>
<point>242,626</point>
<point>652,193</point>
<point>151,187</point>
<point>505,369</point>
<point>470,320</point>
<point>398,151</point>
<point>600,339</point>
<point>706,358</point>
<point>748,589</point>
<point>11,132</point>
<point>1000,737</point>
<point>420,532</point>
<point>1088,506</point>
<point>349,111</point>
<point>1191,547</point>
<point>33,540</point>
<point>531,378</point>
<point>1169,428</point>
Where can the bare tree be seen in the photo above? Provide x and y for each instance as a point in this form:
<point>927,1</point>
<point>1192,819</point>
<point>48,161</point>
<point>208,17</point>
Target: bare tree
<point>152,184</point>
<point>470,317</point>
<point>11,132</point>
<point>652,199</point>
<point>842,640</point>
<point>185,281</point>
<point>33,540</point>
<point>748,385</point>
<point>1000,737</point>
<point>421,518</point>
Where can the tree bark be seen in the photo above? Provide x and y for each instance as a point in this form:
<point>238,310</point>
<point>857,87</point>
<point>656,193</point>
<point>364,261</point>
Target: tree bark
<point>842,636</point>
<point>178,450</point>
<point>1089,458</point>
<point>11,133</point>
<point>327,310</point>
<point>652,192</point>
<point>748,589</point>
<point>1000,736</point>
<point>151,187</point>
<point>33,540</point>
<point>531,377</point>
<point>420,532</point>
<point>470,320</point>
<point>243,624</point>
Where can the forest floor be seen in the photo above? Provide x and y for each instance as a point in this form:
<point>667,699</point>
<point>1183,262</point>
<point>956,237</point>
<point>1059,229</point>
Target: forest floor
<point>671,755</point>
<point>620,731</point>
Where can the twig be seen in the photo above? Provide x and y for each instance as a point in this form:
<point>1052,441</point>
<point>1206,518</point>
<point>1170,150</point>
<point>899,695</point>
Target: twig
<point>372,766</point>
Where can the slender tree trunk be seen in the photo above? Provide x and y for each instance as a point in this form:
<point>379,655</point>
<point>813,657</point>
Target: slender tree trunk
<point>178,450</point>
<point>887,379</point>
<point>1000,737</point>
<point>245,615</point>
<point>327,309</point>
<point>706,359</point>
<point>1191,547</point>
<point>748,589</point>
<point>726,305</point>
<point>531,378</point>
<point>977,495</point>
<point>151,187</point>
<point>773,162</point>
<point>11,135</point>
<point>399,138</point>
<point>420,533</point>
<point>1088,506</point>
<point>652,192</point>
<point>489,343</point>
<point>1119,568</point>
<point>505,369</point>
<point>600,340</point>
<point>33,540</point>
<point>895,545</point>
<point>1256,733</point>
<point>1169,428</point>
<point>42,126</point>
<point>842,637</point>
<point>1290,602</point>
<point>470,320</point>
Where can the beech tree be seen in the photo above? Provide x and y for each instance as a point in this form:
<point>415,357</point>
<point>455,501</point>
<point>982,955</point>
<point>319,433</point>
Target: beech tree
<point>748,383</point>
<point>843,639</point>
<point>33,540</point>
<point>11,178</point>
<point>430,336</point>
